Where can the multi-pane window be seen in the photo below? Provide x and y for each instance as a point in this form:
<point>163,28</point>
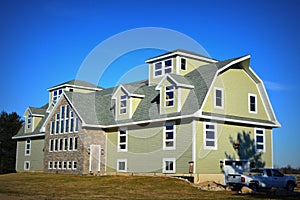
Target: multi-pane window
<point>210,136</point>
<point>64,165</point>
<point>219,99</point>
<point>29,119</point>
<point>183,64</point>
<point>61,143</point>
<point>56,94</point>
<point>65,144</point>
<point>71,121</point>
<point>122,165</point>
<point>70,144</point>
<point>55,144</point>
<point>169,136</point>
<point>56,123</point>
<point>163,67</point>
<point>260,140</point>
<point>52,127</point>
<point>252,103</point>
<point>69,165</point>
<point>51,145</point>
<point>76,124</point>
<point>55,165</point>
<point>27,147</point>
<point>74,165</point>
<point>26,165</point>
<point>122,140</point>
<point>58,165</point>
<point>50,165</point>
<point>169,165</point>
<point>169,96</point>
<point>123,104</point>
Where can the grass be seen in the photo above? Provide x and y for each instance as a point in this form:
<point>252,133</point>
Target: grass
<point>55,186</point>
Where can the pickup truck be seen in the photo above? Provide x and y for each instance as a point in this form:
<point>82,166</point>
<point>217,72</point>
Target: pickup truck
<point>265,178</point>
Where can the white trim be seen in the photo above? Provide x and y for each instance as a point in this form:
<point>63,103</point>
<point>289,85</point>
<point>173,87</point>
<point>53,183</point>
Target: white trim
<point>165,95</point>
<point>194,137</point>
<point>126,142</point>
<point>105,152</point>
<point>91,157</point>
<point>50,164</point>
<point>164,166</point>
<point>74,86</point>
<point>28,154</point>
<point>17,156</point>
<point>181,64</point>
<point>264,139</point>
<point>178,99</point>
<point>122,87</point>
<point>63,166</point>
<point>171,140</point>
<point>69,165</point>
<point>50,145</point>
<point>215,98</point>
<point>272,150</point>
<point>177,58</point>
<point>249,103</point>
<point>118,165</point>
<point>27,136</point>
<point>25,162</point>
<point>73,165</point>
<point>167,76</point>
<point>215,140</point>
<point>171,54</point>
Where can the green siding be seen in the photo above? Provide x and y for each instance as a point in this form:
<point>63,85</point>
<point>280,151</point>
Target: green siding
<point>36,156</point>
<point>145,148</point>
<point>208,161</point>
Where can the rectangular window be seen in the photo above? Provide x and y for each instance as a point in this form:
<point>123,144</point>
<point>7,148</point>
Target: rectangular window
<point>62,112</point>
<point>56,123</point>
<point>62,126</point>
<point>74,165</point>
<point>158,69</point>
<point>69,165</point>
<point>61,143</point>
<point>210,136</point>
<point>71,121</point>
<point>59,165</point>
<point>76,124</point>
<point>27,165</point>
<point>64,165</point>
<point>67,126</point>
<point>183,64</point>
<point>52,127</point>
<point>252,103</point>
<point>122,165</point>
<point>65,144</point>
<point>55,165</point>
<point>51,144</point>
<point>29,119</point>
<point>219,98</point>
<point>67,111</point>
<point>75,143</point>
<point>55,144</point>
<point>169,96</point>
<point>27,147</point>
<point>70,144</point>
<point>50,165</point>
<point>123,104</point>
<point>169,165</point>
<point>56,94</point>
<point>122,140</point>
<point>260,140</point>
<point>169,136</point>
<point>168,66</point>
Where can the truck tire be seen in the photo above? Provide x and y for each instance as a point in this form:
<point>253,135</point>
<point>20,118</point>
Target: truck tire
<point>253,187</point>
<point>290,186</point>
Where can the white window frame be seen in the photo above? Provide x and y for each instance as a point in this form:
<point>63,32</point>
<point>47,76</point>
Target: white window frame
<point>75,143</point>
<point>55,164</point>
<point>181,64</point>
<point>52,127</point>
<point>58,94</point>
<point>59,164</point>
<point>169,100</point>
<point>71,128</point>
<point>71,143</point>
<point>208,139</point>
<point>118,165</point>
<point>51,149</point>
<point>55,144</point>
<point>121,108</point>
<point>66,144</point>
<point>29,121</point>
<point>215,97</point>
<point>60,144</point>
<point>25,165</point>
<point>57,124</point>
<point>50,165</point>
<point>260,143</point>
<point>165,140</point>
<point>76,128</point>
<point>62,119</point>
<point>164,165</point>
<point>163,67</point>
<point>64,164</point>
<point>249,103</point>
<point>27,150</point>
<point>74,165</point>
<point>69,165</point>
<point>122,143</point>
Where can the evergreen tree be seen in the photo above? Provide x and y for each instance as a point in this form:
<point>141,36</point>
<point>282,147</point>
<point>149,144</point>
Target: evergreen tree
<point>10,124</point>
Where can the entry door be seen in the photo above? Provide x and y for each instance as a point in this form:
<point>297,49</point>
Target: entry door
<point>95,155</point>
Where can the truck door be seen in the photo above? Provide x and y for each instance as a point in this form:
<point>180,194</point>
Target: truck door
<point>278,178</point>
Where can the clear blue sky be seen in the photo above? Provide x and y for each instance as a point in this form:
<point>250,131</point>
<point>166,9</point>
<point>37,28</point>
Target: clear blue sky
<point>43,43</point>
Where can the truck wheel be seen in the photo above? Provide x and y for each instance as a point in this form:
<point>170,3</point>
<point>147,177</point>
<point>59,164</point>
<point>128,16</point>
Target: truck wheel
<point>253,187</point>
<point>290,187</point>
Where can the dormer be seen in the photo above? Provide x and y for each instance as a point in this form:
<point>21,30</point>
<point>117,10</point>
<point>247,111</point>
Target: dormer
<point>174,90</point>
<point>55,92</point>
<point>126,102</point>
<point>177,62</point>
<point>32,117</point>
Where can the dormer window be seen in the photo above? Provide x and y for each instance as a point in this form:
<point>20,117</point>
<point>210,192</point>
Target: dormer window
<point>123,104</point>
<point>169,96</point>
<point>183,64</point>
<point>29,118</point>
<point>56,94</point>
<point>163,67</point>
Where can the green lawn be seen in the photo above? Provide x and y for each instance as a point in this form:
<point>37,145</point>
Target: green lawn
<point>55,186</point>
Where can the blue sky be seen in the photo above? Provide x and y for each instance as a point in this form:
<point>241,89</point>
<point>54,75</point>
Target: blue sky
<point>43,43</point>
